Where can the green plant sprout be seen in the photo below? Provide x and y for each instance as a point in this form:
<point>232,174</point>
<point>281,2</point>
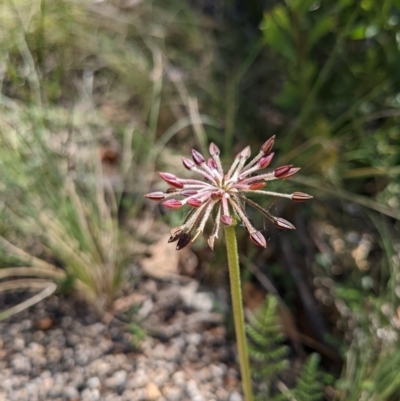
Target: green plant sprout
<point>226,195</point>
<point>266,347</point>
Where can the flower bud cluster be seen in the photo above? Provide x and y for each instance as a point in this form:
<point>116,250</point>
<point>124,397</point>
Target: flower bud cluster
<point>225,194</point>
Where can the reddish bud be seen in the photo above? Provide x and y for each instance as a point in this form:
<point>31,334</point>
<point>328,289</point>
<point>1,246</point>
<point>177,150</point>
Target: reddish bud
<point>258,239</point>
<point>175,234</point>
<point>173,204</point>
<point>197,157</point>
<point>171,190</point>
<point>211,163</point>
<point>268,145</point>
<point>265,161</point>
<point>187,163</point>
<point>189,192</point>
<point>214,150</point>
<point>184,239</point>
<point>257,185</point>
<point>194,202</point>
<point>300,196</point>
<point>171,180</point>
<point>291,172</point>
<point>155,196</point>
<point>283,224</point>
<point>227,220</point>
<point>168,176</point>
<point>176,183</point>
<point>282,171</point>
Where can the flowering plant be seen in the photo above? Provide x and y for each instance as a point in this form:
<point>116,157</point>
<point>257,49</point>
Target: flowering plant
<point>225,193</point>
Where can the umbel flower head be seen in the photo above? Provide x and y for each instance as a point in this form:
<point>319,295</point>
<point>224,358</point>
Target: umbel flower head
<point>224,193</point>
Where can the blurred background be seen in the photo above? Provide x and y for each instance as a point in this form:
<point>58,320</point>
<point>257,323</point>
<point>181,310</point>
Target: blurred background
<point>96,96</point>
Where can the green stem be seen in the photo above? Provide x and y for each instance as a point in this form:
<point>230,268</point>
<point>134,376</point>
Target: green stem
<point>236,293</point>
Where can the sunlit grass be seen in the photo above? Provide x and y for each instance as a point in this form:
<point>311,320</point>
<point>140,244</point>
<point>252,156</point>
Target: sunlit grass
<point>75,76</point>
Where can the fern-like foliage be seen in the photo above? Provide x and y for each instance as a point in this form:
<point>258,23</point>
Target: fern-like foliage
<point>269,357</point>
<point>268,354</point>
<point>309,385</point>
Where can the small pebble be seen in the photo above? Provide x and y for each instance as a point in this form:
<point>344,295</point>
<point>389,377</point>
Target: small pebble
<point>93,382</point>
<point>117,380</point>
<point>152,392</point>
<point>235,396</point>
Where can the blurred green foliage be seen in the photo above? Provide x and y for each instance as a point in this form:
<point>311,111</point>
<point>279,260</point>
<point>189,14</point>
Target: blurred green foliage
<point>338,63</point>
<point>339,86</point>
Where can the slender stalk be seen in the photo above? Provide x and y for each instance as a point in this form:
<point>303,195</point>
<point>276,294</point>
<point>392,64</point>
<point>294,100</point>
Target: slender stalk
<point>236,293</point>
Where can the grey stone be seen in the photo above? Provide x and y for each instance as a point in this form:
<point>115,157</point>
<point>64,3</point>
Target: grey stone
<point>21,364</point>
<point>71,392</point>
<point>235,396</point>
<point>193,338</point>
<point>137,379</point>
<point>172,393</point>
<point>93,382</point>
<point>90,394</point>
<point>117,380</point>
<point>18,344</point>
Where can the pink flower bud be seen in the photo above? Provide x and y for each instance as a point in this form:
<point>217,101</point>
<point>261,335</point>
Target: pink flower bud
<point>194,202</point>
<point>268,145</point>
<point>184,239</point>
<point>300,196</point>
<point>282,171</point>
<point>168,176</point>
<point>257,185</point>
<point>258,239</point>
<point>265,161</point>
<point>211,163</point>
<point>173,204</point>
<point>171,180</point>
<point>187,163</point>
<point>292,171</point>
<point>227,220</point>
<point>155,196</point>
<point>176,184</point>
<point>214,150</point>
<point>197,157</point>
<point>283,224</point>
<point>245,153</point>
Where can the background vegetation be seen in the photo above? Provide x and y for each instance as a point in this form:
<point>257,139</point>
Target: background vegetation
<point>97,95</point>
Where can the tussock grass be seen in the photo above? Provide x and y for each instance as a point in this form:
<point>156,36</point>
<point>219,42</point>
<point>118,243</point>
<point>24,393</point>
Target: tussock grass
<point>75,76</point>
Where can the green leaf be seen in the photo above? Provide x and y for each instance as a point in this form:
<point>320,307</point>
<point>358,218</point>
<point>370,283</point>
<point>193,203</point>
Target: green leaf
<point>276,29</point>
<point>358,32</point>
<point>301,6</point>
<point>290,96</point>
<point>319,30</point>
<point>345,3</point>
<point>309,385</point>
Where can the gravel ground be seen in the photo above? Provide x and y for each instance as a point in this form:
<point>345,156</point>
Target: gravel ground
<point>61,350</point>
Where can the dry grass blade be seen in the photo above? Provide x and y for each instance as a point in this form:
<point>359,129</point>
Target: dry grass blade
<point>47,288</point>
<point>32,271</point>
<point>31,259</point>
